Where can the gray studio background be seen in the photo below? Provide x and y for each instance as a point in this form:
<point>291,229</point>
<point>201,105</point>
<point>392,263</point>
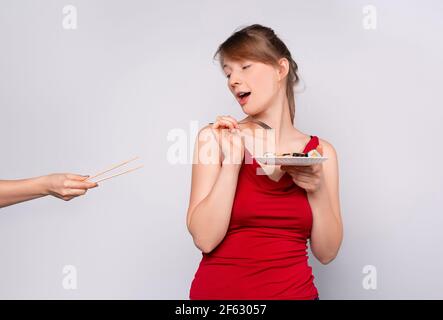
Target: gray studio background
<point>82,100</point>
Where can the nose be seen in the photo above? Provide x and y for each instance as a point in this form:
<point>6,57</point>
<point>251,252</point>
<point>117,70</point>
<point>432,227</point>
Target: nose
<point>234,80</point>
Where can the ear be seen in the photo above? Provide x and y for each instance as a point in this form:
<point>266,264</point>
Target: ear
<point>283,69</point>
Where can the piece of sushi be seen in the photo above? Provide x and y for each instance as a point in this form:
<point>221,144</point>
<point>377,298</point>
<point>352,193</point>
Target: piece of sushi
<point>269,155</point>
<point>298,154</point>
<point>314,154</point>
<point>286,155</point>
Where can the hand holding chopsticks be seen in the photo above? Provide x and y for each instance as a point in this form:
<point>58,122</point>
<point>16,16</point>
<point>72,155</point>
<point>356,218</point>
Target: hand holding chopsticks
<point>64,186</point>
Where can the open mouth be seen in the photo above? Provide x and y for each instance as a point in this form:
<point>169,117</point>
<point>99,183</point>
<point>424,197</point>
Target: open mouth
<point>243,97</point>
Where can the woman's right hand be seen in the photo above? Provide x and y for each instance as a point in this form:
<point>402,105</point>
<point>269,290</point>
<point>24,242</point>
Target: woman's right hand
<point>66,186</point>
<point>230,139</point>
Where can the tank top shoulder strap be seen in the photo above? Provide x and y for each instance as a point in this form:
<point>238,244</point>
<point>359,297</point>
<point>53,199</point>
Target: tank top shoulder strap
<point>312,144</point>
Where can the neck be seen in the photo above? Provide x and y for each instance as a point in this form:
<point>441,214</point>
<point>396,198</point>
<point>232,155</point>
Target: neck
<point>278,117</point>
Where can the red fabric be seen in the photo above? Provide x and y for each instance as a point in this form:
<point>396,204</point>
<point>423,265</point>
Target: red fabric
<point>264,252</point>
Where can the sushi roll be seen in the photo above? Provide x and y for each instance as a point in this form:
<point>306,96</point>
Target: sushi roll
<point>287,155</point>
<point>314,154</point>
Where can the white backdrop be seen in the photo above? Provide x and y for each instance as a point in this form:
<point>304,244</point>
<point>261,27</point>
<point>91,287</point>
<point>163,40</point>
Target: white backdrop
<point>132,72</point>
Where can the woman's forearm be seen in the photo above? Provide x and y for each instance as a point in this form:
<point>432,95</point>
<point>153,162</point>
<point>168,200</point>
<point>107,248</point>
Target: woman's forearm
<point>210,219</point>
<point>16,191</point>
<point>326,233</point>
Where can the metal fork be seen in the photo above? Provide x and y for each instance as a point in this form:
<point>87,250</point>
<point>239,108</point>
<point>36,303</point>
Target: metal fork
<point>260,123</point>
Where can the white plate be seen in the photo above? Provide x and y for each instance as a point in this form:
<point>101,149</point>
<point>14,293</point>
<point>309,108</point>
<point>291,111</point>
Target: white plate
<point>291,161</point>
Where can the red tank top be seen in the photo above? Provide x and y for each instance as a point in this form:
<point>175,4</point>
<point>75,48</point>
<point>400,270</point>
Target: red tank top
<point>264,252</point>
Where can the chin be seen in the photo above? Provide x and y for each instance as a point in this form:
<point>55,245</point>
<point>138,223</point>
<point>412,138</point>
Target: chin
<point>250,111</point>
<point>247,111</point>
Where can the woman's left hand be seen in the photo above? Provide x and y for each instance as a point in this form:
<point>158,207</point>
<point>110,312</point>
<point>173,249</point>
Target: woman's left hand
<point>309,177</point>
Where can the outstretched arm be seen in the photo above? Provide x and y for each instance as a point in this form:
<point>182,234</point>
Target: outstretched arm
<point>62,185</point>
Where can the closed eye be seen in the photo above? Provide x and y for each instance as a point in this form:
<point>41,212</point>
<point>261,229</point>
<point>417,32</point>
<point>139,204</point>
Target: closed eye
<point>245,67</point>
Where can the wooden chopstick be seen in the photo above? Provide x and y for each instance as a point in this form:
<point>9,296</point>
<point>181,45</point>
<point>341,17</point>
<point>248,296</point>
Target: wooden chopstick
<point>119,174</point>
<point>112,168</point>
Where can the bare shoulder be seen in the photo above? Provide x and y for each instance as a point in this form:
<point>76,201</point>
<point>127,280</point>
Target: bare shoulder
<point>207,149</point>
<point>330,166</point>
<point>207,129</point>
<point>328,149</point>
<point>207,134</point>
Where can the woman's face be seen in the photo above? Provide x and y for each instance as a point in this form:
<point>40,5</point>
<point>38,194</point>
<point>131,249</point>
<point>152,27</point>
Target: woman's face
<point>263,81</point>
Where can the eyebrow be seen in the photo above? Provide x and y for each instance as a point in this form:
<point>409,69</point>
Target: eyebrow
<point>226,66</point>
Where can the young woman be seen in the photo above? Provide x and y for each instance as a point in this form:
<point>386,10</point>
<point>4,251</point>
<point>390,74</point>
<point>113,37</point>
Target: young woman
<point>64,186</point>
<point>253,228</point>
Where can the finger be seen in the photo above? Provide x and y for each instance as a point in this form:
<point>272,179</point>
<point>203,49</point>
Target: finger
<point>75,192</point>
<point>312,169</point>
<point>228,133</point>
<point>223,124</point>
<point>228,123</point>
<point>306,169</point>
<point>302,179</point>
<point>77,177</point>
<point>305,172</point>
<point>228,129</point>
<point>232,119</point>
<point>301,175</point>
<point>295,168</point>
<point>288,169</point>
<point>74,184</point>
